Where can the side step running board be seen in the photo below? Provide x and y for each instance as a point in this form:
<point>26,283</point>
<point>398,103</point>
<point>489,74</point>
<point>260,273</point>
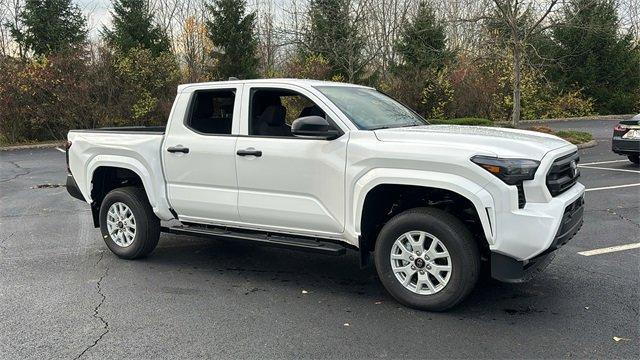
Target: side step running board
<point>278,240</point>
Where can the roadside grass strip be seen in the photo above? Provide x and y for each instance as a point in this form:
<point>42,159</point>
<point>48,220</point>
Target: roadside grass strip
<point>610,249</point>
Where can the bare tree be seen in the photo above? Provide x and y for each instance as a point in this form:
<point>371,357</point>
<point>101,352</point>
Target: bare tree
<point>386,19</point>
<point>266,32</point>
<point>523,19</point>
<point>629,11</point>
<point>10,18</point>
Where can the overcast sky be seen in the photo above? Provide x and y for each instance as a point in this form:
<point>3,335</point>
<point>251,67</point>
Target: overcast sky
<point>96,11</point>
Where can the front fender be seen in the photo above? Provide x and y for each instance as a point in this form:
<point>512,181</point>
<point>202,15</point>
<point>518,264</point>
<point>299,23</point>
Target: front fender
<point>479,197</point>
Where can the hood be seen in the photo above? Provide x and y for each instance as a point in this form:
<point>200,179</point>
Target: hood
<point>501,142</point>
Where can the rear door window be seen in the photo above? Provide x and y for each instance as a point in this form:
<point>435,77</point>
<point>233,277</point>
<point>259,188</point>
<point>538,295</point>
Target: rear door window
<point>211,111</point>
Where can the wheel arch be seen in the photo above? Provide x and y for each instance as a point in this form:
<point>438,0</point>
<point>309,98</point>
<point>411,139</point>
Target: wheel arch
<point>131,172</point>
<point>384,183</point>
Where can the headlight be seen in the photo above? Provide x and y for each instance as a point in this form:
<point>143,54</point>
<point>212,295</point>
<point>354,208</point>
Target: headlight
<point>511,171</point>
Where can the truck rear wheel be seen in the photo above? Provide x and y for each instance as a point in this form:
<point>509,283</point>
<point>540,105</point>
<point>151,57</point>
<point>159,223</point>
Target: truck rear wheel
<point>427,259</point>
<point>129,227</point>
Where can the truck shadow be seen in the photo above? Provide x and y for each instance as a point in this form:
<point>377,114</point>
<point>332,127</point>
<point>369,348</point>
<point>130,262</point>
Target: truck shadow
<point>251,270</point>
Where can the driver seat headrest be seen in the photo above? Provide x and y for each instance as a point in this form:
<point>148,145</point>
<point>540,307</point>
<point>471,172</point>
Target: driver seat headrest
<point>274,115</point>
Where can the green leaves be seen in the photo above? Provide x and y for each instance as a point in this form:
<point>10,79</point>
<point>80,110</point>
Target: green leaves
<point>234,42</point>
<point>133,27</point>
<point>422,42</point>
<point>594,56</point>
<point>50,26</point>
<point>334,34</point>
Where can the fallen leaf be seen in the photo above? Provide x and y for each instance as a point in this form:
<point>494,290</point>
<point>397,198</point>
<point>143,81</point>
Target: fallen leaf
<point>616,339</point>
<point>305,292</point>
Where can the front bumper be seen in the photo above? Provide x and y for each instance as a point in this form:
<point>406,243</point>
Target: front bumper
<point>625,146</point>
<point>509,269</point>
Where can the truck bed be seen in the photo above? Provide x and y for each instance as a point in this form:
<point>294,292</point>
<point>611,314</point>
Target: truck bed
<point>128,129</point>
<point>137,149</point>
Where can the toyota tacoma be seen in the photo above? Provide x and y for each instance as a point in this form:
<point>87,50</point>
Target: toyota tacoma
<point>327,167</point>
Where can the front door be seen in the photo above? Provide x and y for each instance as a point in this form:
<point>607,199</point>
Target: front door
<point>199,156</point>
<point>286,183</point>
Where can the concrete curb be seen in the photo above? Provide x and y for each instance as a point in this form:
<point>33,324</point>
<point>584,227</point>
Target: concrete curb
<point>31,146</point>
<point>588,144</point>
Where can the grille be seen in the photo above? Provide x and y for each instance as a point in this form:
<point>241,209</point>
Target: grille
<point>563,174</point>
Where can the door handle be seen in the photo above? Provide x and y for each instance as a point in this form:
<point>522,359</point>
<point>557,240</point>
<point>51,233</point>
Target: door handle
<point>249,152</point>
<point>176,149</point>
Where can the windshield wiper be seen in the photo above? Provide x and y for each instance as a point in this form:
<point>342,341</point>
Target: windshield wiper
<point>395,126</point>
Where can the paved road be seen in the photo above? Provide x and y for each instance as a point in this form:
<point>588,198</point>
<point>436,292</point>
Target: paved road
<point>64,295</point>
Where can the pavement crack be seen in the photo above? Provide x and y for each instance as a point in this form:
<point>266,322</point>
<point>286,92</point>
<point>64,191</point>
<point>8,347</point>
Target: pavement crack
<point>96,311</point>
<point>17,175</point>
<point>2,240</point>
<point>612,212</point>
<point>100,259</point>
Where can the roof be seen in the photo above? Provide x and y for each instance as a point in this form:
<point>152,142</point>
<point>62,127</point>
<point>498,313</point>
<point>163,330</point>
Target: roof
<point>299,82</point>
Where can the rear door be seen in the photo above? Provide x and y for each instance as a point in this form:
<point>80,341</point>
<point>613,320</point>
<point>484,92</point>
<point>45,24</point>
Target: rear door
<point>199,155</point>
<point>289,184</point>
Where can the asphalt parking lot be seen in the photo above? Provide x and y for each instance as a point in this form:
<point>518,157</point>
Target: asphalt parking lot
<point>64,295</point>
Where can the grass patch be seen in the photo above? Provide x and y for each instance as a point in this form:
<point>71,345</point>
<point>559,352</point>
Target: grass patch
<point>574,137</point>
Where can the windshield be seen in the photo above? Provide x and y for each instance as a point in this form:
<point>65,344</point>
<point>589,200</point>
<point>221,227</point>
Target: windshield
<point>370,109</point>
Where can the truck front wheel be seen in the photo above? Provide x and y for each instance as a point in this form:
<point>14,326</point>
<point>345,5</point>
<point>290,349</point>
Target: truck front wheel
<point>427,259</point>
<point>129,227</point>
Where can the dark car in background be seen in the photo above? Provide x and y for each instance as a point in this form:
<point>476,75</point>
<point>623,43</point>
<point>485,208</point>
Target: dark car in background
<point>626,138</point>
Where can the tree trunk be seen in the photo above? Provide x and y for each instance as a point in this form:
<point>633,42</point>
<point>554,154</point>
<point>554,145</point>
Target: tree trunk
<point>517,67</point>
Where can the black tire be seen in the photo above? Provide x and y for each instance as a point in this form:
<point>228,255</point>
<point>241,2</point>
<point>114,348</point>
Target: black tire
<point>634,159</point>
<point>147,232</point>
<point>463,250</point>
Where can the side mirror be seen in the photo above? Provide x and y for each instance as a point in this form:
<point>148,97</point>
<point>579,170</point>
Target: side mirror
<point>314,127</point>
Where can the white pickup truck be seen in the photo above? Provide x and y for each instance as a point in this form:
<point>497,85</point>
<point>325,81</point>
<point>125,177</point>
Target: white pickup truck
<point>325,167</point>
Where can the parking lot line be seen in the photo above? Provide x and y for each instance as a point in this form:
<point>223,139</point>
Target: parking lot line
<point>604,162</point>
<point>60,149</point>
<point>610,249</point>
<point>603,168</point>
<point>612,187</point>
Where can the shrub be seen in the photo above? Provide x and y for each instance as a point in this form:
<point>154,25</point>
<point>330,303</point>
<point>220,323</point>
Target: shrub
<point>41,98</point>
<point>148,84</point>
<point>310,67</point>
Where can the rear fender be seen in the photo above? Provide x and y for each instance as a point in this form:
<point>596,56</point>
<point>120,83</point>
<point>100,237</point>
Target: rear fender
<point>155,192</point>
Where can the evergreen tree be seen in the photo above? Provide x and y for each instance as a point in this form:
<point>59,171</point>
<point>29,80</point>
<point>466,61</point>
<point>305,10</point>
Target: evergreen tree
<point>335,37</point>
<point>235,44</point>
<point>420,77</point>
<point>50,26</point>
<point>133,27</point>
<point>422,42</point>
<point>593,55</point>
